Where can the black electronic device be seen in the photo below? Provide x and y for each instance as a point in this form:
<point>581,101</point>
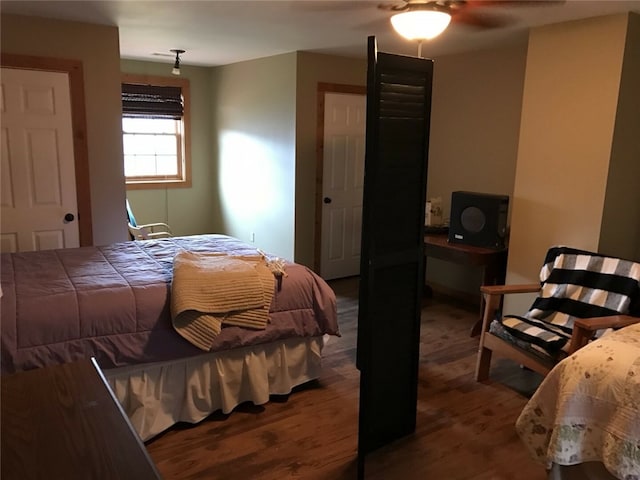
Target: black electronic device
<point>478,219</point>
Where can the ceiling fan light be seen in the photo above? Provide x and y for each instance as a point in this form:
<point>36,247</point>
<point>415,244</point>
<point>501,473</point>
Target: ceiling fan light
<point>420,24</point>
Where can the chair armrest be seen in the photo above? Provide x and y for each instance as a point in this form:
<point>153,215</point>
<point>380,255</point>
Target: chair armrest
<point>156,225</point>
<point>493,295</point>
<point>143,232</point>
<point>506,289</point>
<point>598,323</point>
<point>159,235</point>
<point>583,328</point>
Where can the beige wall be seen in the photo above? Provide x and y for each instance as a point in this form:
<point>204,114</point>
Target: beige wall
<point>566,136</point>
<point>311,69</point>
<point>475,122</point>
<point>187,210</point>
<point>620,231</point>
<point>253,133</point>
<point>98,48</point>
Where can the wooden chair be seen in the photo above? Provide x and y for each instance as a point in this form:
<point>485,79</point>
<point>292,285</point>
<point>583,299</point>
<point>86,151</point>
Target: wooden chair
<point>580,295</point>
<point>146,231</point>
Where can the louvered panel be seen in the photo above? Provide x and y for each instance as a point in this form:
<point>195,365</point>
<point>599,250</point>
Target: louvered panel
<point>402,97</point>
<point>398,116</point>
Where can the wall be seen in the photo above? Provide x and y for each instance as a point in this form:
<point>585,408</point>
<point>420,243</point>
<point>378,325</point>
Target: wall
<point>187,210</point>
<point>568,116</point>
<point>475,122</point>
<point>620,230</point>
<point>474,135</point>
<point>253,131</point>
<point>98,48</point>
<point>313,68</point>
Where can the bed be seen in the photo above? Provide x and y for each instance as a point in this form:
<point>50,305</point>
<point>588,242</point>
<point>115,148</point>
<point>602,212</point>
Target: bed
<point>113,303</point>
<point>587,411</point>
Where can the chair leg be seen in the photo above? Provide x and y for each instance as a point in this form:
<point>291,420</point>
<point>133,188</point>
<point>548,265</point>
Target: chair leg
<point>483,364</point>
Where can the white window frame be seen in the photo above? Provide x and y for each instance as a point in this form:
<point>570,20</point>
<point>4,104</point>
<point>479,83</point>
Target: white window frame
<point>183,179</point>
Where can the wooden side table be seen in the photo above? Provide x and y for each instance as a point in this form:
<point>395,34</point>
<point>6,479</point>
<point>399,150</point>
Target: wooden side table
<point>64,422</point>
<point>492,261</point>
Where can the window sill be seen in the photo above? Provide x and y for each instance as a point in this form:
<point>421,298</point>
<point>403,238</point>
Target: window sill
<point>158,184</point>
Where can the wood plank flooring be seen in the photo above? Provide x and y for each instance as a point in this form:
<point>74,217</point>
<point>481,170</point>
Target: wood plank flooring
<point>464,429</point>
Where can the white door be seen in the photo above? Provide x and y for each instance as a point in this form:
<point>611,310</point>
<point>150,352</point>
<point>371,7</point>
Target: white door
<point>37,177</point>
<point>342,181</point>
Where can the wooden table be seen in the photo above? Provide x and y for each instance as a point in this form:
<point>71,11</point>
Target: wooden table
<point>64,422</point>
<point>492,261</point>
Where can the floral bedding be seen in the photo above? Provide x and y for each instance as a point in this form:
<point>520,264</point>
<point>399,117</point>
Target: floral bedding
<point>588,407</point>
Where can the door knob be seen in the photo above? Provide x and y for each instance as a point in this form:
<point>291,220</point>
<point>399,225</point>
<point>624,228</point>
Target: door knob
<point>326,200</point>
<point>69,217</point>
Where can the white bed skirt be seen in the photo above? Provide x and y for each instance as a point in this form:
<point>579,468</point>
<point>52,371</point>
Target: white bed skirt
<point>157,395</point>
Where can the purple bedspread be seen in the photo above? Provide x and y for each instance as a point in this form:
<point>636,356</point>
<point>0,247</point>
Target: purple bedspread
<point>112,302</point>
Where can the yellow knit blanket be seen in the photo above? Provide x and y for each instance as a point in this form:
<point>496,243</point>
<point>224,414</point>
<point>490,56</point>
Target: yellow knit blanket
<point>213,289</point>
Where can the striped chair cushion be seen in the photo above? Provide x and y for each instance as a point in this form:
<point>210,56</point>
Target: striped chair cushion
<point>576,284</point>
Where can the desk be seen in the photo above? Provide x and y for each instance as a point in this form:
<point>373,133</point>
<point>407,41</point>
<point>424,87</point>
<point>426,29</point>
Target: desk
<point>492,261</point>
<point>64,422</point>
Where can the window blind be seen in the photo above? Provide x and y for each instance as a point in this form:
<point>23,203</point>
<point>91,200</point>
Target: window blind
<point>152,101</point>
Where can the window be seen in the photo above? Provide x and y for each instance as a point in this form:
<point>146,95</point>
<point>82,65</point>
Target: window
<point>155,131</point>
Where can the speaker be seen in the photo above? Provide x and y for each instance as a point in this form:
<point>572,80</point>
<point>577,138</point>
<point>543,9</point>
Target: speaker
<point>478,219</point>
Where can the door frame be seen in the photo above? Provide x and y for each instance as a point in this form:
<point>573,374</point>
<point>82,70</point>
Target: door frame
<point>73,68</point>
<point>321,90</point>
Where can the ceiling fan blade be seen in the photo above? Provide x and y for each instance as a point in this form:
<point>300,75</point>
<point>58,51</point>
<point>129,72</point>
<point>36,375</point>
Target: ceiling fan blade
<point>394,7</point>
<point>331,5</point>
<point>514,3</point>
<point>483,20</point>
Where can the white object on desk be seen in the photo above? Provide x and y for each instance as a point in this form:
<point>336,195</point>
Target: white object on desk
<point>433,212</point>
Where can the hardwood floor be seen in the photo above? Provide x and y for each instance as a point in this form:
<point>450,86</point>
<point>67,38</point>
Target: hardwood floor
<point>464,429</point>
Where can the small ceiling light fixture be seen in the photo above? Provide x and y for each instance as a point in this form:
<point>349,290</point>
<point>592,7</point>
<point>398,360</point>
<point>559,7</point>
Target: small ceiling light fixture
<point>176,64</point>
<point>421,22</point>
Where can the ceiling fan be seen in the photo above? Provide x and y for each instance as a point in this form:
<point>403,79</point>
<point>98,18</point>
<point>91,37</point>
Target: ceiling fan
<point>426,19</point>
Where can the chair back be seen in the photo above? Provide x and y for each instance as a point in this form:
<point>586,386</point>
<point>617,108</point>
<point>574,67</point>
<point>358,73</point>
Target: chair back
<point>147,231</point>
<point>130,217</point>
<point>576,284</point>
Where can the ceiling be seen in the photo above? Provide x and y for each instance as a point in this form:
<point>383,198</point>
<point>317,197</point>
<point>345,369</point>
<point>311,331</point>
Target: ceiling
<point>222,32</point>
